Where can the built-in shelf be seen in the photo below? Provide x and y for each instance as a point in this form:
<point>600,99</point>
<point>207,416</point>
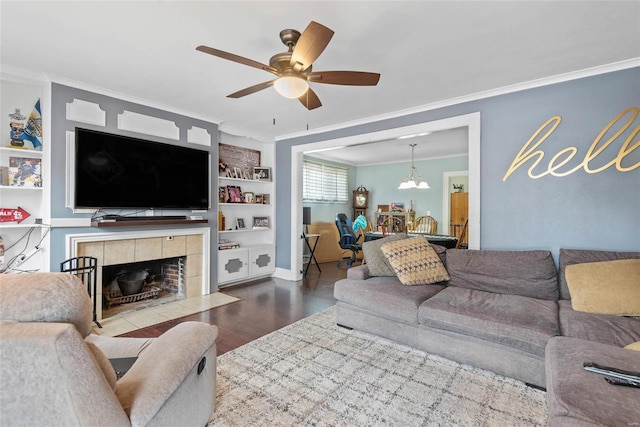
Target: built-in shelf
<point>243,204</point>
<point>244,230</point>
<point>151,222</point>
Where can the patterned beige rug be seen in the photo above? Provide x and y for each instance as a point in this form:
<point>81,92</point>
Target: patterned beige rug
<point>315,373</point>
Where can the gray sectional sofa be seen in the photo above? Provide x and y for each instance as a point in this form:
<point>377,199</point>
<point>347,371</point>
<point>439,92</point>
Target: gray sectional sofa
<point>508,312</point>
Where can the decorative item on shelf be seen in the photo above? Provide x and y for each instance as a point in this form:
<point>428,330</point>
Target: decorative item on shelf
<point>258,199</point>
<point>4,175</point>
<point>410,181</point>
<point>224,244</point>
<point>240,224</point>
<point>458,187</point>
<point>231,156</point>
<point>265,199</point>
<point>237,173</point>
<point>262,174</point>
<point>234,194</point>
<point>220,221</point>
<point>13,214</point>
<point>17,129</point>
<point>397,207</point>
<point>223,194</point>
<point>260,222</point>
<point>248,197</point>
<point>25,172</point>
<point>31,131</point>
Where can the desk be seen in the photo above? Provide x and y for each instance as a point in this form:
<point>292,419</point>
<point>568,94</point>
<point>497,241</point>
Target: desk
<point>437,239</point>
<point>312,250</point>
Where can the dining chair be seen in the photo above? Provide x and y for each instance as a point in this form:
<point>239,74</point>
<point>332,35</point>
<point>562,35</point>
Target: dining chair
<point>425,224</point>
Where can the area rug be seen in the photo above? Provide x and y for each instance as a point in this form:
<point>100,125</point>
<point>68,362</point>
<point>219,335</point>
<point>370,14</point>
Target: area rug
<point>317,374</point>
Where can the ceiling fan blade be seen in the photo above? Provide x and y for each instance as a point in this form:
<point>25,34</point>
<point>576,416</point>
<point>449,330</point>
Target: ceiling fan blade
<point>251,89</point>
<point>312,42</point>
<point>236,58</point>
<point>351,78</point>
<point>310,100</point>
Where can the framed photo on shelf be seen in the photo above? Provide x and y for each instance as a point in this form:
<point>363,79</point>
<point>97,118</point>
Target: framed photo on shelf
<point>223,194</point>
<point>260,222</point>
<point>248,197</point>
<point>235,194</point>
<point>240,224</point>
<point>262,174</point>
<point>25,172</point>
<point>265,199</point>
<point>258,199</point>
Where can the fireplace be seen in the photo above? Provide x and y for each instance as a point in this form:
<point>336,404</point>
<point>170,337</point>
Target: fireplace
<point>142,284</point>
<point>116,249</point>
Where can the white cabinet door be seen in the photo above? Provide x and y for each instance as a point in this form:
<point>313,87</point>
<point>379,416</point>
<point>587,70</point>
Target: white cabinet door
<point>262,260</point>
<point>233,264</point>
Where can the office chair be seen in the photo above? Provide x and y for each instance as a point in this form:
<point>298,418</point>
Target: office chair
<point>348,239</point>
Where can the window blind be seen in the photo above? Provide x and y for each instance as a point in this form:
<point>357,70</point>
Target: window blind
<point>324,183</point>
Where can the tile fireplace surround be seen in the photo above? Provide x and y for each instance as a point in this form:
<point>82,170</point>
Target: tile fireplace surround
<point>128,247</point>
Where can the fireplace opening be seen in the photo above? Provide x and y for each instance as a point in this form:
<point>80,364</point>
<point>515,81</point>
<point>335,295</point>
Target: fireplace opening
<point>138,285</point>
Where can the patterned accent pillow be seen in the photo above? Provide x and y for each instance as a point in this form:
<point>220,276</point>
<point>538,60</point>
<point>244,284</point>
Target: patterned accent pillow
<point>415,262</point>
<point>376,261</point>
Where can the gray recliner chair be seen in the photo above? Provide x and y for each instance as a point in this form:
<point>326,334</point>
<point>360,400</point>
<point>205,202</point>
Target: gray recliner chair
<point>54,371</point>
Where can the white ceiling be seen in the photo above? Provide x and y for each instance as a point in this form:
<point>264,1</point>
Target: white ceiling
<point>425,51</point>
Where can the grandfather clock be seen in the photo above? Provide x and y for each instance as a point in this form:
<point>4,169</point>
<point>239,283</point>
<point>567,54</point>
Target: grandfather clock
<point>360,201</point>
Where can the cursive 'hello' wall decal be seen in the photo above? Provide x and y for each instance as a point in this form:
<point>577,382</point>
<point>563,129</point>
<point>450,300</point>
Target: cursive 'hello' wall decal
<point>529,150</point>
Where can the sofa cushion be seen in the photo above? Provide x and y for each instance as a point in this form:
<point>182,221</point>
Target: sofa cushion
<point>377,262</point>
<point>574,394</point>
<point>525,273</point>
<point>520,322</point>
<point>385,296</point>
<point>415,262</point>
<point>607,287</point>
<point>579,256</point>
<point>604,328</point>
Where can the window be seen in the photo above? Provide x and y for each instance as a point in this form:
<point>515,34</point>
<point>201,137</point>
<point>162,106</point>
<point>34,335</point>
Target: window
<point>324,183</point>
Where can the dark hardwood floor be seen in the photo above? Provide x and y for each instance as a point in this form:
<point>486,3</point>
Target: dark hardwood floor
<point>265,305</point>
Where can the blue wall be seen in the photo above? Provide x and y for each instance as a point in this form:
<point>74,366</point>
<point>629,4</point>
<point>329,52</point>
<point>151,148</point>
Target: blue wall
<point>60,96</point>
<point>382,182</point>
<point>579,210</point>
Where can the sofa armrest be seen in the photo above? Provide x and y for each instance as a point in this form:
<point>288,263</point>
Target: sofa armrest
<point>360,272</point>
<point>166,375</point>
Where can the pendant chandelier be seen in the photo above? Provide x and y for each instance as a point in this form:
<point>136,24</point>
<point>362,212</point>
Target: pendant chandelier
<point>413,180</point>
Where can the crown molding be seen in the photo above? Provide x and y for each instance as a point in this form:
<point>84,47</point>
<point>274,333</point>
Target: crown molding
<point>545,81</point>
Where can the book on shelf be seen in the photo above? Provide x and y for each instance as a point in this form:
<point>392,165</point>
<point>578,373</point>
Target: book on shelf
<point>227,244</point>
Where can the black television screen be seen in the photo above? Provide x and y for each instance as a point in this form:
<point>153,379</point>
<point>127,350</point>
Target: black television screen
<point>115,171</point>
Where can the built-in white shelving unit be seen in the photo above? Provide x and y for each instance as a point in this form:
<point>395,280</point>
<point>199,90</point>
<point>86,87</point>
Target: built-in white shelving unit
<point>255,256</point>
<point>25,241</point>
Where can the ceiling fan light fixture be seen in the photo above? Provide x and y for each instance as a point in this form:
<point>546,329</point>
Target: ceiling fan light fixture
<point>291,87</point>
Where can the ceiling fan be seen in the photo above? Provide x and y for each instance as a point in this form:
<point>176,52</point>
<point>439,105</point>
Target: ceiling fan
<point>293,68</point>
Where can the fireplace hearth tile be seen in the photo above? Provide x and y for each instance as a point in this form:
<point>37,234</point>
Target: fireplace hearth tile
<point>126,322</point>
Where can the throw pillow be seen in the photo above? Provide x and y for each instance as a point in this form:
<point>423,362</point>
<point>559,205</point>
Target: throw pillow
<point>633,346</point>
<point>376,261</point>
<point>415,262</point>
<point>610,287</point>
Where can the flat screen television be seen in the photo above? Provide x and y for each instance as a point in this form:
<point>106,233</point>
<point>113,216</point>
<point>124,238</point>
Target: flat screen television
<point>115,171</point>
